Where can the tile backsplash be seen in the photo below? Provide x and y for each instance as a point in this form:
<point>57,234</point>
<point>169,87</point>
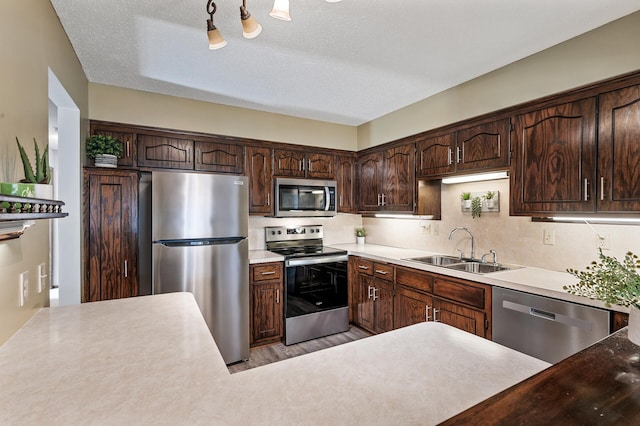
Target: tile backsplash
<point>516,239</point>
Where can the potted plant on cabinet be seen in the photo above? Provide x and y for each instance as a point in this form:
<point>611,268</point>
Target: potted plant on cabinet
<point>614,283</point>
<point>360,234</point>
<point>105,150</point>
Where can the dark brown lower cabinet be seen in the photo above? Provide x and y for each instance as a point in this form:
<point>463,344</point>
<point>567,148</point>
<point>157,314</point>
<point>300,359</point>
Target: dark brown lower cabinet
<point>459,316</point>
<point>372,297</point>
<point>266,303</point>
<point>411,307</point>
<point>111,223</point>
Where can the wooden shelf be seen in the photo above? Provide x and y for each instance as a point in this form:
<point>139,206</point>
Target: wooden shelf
<point>16,214</point>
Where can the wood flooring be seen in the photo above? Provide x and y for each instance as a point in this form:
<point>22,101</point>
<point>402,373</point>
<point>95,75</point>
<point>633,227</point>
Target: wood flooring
<point>277,352</point>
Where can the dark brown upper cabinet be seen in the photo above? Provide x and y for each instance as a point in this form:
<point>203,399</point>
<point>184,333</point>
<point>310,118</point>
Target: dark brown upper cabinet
<point>346,178</point>
<point>386,179</point>
<point>260,180</point>
<point>483,146</point>
<point>554,159</point>
<point>165,152</point>
<point>288,163</point>
<point>478,147</point>
<point>219,157</point>
<point>619,151</point>
<point>127,139</point>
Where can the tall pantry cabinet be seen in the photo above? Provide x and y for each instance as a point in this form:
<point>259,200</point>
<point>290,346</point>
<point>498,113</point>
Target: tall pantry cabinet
<point>111,216</point>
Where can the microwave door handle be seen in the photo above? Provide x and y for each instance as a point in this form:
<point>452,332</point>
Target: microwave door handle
<point>327,196</point>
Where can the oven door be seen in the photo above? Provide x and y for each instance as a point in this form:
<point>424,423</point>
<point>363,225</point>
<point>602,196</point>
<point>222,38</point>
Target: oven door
<point>315,284</point>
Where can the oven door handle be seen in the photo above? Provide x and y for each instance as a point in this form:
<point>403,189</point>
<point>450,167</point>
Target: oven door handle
<point>315,260</point>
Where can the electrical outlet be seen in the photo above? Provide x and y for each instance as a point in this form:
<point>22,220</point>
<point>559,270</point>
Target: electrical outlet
<point>603,241</point>
<point>549,237</point>
<point>426,228</point>
<point>435,229</point>
<point>24,288</point>
<point>42,277</point>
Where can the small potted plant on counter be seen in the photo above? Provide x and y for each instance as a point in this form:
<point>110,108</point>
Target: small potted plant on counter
<point>360,234</point>
<point>614,283</point>
<point>105,150</point>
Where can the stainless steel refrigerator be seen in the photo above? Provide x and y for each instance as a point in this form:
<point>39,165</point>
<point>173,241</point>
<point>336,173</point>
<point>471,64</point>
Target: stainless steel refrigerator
<point>199,233</point>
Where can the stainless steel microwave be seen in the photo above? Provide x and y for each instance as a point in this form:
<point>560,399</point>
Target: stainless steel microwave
<point>305,197</point>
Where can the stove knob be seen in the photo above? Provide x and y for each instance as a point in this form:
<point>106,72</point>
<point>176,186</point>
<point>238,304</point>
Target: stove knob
<point>312,231</point>
<point>273,232</point>
<point>279,232</point>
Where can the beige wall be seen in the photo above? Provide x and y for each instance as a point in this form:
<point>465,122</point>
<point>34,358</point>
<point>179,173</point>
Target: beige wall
<point>143,108</point>
<point>32,41</point>
<point>599,54</point>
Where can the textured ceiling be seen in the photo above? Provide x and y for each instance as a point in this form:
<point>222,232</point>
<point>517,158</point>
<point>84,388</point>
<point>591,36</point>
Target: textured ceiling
<point>348,62</point>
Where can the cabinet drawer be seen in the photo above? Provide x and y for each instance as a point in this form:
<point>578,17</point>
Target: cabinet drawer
<point>384,272</point>
<point>364,267</point>
<point>414,279</point>
<point>464,293</point>
<point>266,272</point>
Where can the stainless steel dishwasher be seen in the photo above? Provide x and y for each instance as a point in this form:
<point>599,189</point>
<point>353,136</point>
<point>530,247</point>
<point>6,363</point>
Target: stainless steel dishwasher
<point>545,328</point>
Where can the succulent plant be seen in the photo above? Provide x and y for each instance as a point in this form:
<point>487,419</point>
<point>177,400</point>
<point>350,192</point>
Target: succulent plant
<point>42,174</point>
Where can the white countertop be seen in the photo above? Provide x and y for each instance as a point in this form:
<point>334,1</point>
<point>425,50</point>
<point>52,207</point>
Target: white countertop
<point>151,360</point>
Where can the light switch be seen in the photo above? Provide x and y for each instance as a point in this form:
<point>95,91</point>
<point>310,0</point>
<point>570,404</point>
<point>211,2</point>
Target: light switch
<point>24,288</point>
<point>42,277</point>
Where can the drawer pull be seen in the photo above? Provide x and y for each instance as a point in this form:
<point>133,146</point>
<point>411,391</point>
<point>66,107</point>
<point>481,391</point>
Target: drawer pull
<point>378,271</point>
<point>363,267</point>
<point>268,273</point>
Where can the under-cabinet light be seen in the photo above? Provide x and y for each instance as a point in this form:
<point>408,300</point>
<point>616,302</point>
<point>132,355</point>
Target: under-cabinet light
<point>403,216</point>
<point>475,177</point>
<point>600,220</point>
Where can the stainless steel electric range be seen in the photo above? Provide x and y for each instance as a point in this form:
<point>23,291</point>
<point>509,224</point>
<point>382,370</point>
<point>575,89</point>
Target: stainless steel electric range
<point>315,282</point>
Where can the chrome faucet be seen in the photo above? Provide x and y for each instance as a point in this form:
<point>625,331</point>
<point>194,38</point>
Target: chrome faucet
<point>453,231</point>
<point>495,257</point>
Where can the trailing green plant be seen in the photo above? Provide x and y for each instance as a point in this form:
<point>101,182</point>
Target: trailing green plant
<point>609,280</point>
<point>476,207</point>
<point>42,173</point>
<point>465,196</point>
<point>101,144</point>
<point>361,232</point>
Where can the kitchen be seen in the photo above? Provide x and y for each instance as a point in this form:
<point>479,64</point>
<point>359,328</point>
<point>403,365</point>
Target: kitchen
<point>546,72</point>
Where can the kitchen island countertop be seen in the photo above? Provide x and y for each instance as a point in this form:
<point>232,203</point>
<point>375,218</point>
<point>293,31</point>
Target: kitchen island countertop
<point>152,360</point>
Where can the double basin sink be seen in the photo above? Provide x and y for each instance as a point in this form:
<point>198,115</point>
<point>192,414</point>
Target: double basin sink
<point>462,264</point>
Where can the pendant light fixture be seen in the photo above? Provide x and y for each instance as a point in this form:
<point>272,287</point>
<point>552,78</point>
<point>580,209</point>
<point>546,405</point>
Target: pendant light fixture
<point>215,38</point>
<point>281,10</point>
<point>250,28</point>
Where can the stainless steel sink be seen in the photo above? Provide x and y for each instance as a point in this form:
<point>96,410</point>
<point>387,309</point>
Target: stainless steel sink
<point>439,260</point>
<point>462,264</point>
<point>478,267</point>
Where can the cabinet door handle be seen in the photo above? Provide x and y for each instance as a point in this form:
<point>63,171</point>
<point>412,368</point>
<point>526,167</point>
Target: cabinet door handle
<point>126,269</point>
<point>309,165</point>
<point>601,188</point>
<point>378,199</point>
<point>370,295</point>
<point>586,189</point>
<point>375,294</point>
<point>378,271</point>
<point>268,199</point>
<point>268,273</point>
<point>458,154</point>
<point>278,296</point>
<point>383,201</point>
<point>128,146</point>
<point>449,159</point>
<point>435,311</point>
<point>427,317</point>
<point>301,165</point>
<point>366,268</point>
<point>341,201</point>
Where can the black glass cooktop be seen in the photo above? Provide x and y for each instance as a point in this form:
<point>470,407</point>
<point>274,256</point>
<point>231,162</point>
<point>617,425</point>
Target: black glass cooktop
<point>307,251</point>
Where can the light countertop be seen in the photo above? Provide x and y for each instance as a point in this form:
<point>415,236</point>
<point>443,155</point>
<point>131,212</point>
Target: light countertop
<point>538,281</point>
<point>151,360</point>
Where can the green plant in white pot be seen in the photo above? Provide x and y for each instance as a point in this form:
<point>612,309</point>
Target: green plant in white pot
<point>105,150</point>
<point>360,234</point>
<point>614,283</point>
